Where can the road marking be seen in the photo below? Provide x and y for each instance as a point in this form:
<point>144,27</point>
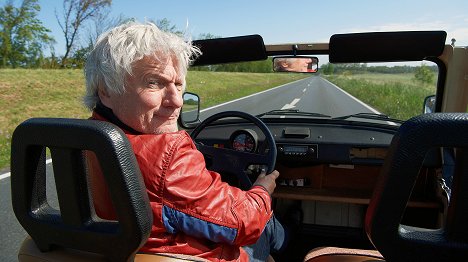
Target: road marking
<point>238,99</point>
<point>8,174</point>
<point>303,91</point>
<point>4,175</point>
<point>291,105</point>
<point>359,101</point>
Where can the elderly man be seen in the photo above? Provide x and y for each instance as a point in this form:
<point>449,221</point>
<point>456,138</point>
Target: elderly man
<point>135,77</point>
<point>293,64</point>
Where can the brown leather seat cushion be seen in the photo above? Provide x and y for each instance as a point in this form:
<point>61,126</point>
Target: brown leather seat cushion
<point>30,253</point>
<point>335,254</point>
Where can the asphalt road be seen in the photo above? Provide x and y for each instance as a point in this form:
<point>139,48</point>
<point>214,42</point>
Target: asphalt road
<point>313,94</point>
<point>11,232</point>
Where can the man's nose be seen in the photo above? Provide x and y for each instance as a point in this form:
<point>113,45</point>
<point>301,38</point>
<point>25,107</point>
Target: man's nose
<point>173,97</point>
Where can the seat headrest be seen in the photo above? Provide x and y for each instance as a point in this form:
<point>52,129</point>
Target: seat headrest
<point>75,224</point>
<point>407,152</point>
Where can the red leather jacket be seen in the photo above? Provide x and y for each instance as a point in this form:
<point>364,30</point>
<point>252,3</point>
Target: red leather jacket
<point>194,212</point>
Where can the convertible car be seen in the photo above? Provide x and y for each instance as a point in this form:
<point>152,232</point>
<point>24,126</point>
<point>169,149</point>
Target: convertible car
<point>368,131</point>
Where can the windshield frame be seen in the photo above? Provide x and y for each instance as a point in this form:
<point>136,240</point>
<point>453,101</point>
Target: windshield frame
<point>322,49</point>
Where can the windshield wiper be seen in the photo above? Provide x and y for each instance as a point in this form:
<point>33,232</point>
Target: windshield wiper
<point>372,116</point>
<point>292,112</point>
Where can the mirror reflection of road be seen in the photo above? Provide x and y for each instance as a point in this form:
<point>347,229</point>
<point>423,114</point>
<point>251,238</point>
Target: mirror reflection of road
<point>312,94</point>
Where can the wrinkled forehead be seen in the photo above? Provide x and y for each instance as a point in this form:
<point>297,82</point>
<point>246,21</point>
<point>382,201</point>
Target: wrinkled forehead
<point>159,66</point>
<point>158,62</point>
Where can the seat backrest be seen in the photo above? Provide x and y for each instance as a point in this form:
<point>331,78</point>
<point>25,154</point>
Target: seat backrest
<point>408,149</point>
<point>75,225</point>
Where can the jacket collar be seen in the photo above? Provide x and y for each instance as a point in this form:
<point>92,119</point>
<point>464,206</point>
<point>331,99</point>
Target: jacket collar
<point>106,113</point>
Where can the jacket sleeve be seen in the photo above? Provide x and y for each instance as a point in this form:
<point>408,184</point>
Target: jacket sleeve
<point>196,201</point>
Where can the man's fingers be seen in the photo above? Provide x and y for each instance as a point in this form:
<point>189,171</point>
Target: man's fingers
<point>275,174</point>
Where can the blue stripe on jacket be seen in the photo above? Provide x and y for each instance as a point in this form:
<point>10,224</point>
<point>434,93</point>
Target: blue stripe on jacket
<point>176,221</point>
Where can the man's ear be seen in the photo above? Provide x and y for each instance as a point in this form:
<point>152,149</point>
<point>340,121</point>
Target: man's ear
<point>104,97</point>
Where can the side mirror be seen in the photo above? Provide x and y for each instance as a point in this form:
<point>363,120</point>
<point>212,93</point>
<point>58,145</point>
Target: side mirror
<point>429,104</point>
<point>190,112</point>
<point>298,64</point>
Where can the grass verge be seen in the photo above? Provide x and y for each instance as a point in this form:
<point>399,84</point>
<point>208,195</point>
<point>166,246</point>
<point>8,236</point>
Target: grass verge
<point>399,96</point>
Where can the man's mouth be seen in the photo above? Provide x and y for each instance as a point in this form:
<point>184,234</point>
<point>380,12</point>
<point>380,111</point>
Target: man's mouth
<point>168,117</point>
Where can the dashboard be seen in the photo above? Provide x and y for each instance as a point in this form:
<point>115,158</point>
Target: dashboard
<point>328,163</point>
<point>306,143</point>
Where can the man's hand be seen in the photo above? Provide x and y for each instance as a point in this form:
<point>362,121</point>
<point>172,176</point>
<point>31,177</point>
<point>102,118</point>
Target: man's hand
<point>267,181</point>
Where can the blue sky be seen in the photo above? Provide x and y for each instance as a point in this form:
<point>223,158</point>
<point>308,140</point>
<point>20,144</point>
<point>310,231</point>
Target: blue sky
<point>287,21</point>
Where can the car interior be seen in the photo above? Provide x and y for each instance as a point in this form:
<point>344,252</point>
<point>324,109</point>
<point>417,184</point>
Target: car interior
<point>364,191</point>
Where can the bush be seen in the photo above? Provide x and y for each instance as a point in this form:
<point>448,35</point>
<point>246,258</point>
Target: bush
<point>424,74</point>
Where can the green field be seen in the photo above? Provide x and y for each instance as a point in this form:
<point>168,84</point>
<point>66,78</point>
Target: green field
<point>399,96</point>
<point>57,93</point>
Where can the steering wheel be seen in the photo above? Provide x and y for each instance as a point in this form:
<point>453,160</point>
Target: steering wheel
<point>226,160</point>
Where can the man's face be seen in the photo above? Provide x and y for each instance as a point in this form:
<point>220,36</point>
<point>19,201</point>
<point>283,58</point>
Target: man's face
<point>300,64</point>
<point>153,97</point>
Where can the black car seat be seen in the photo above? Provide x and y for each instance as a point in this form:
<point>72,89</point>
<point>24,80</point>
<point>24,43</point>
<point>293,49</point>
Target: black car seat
<point>73,232</point>
<point>397,242</point>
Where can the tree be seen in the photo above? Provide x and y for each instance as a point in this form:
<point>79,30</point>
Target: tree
<point>22,35</point>
<point>166,25</point>
<point>203,36</point>
<point>100,24</point>
<point>424,74</point>
<point>75,13</point>
<point>327,69</point>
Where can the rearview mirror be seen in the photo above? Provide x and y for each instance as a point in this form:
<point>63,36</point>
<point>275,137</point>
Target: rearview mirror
<point>190,112</point>
<point>299,64</point>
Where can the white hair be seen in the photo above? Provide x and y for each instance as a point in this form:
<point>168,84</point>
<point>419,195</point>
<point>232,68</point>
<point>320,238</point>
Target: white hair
<point>280,60</point>
<point>115,51</point>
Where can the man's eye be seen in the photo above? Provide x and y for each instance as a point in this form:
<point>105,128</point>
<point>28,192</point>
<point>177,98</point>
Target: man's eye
<point>153,84</point>
<point>179,85</point>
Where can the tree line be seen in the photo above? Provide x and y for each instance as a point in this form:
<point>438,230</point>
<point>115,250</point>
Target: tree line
<point>24,39</point>
<point>264,66</point>
<point>423,73</point>
<point>357,68</point>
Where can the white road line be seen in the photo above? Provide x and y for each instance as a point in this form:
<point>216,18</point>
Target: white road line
<point>3,176</point>
<point>292,104</point>
<point>235,100</point>
<point>354,98</point>
<point>359,101</point>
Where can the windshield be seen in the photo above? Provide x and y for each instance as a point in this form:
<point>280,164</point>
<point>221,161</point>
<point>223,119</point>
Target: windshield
<point>355,92</point>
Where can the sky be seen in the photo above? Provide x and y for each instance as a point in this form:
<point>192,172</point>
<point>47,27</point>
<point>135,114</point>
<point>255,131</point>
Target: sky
<point>285,21</point>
